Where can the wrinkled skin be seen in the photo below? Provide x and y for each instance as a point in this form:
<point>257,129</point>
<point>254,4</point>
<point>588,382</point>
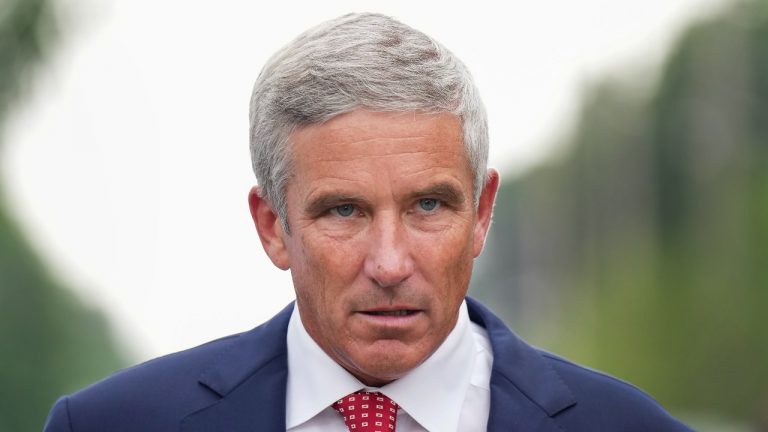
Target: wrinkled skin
<point>383,234</point>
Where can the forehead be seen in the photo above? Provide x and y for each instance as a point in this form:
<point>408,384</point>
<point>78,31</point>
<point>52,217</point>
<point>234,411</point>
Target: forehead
<point>364,133</point>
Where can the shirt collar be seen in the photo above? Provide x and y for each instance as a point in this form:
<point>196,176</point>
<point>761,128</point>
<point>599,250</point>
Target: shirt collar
<point>315,381</point>
<point>432,393</point>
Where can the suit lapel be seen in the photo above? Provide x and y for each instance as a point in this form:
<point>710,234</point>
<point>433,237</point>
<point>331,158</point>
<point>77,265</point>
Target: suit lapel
<point>526,392</point>
<point>250,378</point>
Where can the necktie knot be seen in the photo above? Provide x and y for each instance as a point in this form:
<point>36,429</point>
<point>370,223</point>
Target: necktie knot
<point>367,412</point>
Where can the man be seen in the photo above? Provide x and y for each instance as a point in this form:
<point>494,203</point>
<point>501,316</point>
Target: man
<point>369,144</point>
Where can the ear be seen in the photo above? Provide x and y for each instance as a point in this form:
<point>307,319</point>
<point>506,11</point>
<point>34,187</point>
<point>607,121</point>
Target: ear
<point>485,210</point>
<point>270,229</point>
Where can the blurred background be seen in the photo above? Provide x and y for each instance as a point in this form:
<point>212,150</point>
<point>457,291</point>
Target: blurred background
<point>631,230</point>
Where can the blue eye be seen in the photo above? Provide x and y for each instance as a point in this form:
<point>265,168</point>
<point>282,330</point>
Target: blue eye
<point>428,204</point>
<point>345,210</point>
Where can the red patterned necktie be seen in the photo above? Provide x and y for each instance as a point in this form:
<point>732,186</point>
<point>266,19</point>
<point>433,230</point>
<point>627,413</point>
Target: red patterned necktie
<point>367,412</point>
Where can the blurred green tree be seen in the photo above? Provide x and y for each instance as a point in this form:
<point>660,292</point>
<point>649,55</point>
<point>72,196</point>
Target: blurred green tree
<point>642,249</point>
<point>49,343</point>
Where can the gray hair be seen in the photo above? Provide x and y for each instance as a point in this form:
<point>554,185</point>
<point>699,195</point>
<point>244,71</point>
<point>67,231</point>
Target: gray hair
<point>363,60</point>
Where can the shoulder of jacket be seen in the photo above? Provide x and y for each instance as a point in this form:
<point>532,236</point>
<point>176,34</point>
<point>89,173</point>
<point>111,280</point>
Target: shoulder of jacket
<point>613,403</point>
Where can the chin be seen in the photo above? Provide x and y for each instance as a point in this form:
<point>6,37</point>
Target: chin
<point>378,378</point>
<point>386,367</point>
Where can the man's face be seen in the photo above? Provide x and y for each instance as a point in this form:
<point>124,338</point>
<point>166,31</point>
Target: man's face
<point>383,236</point>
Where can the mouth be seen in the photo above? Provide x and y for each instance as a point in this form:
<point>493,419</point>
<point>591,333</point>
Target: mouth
<point>392,313</point>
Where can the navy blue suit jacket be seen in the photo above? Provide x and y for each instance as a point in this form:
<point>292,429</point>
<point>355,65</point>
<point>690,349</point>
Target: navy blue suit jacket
<point>237,384</point>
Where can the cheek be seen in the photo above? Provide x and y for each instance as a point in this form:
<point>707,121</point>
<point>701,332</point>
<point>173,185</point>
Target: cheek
<point>326,268</point>
<point>446,259</point>
<point>458,271</point>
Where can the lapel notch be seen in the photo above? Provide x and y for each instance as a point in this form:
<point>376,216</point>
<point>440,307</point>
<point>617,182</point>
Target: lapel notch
<point>250,377</point>
<point>526,392</point>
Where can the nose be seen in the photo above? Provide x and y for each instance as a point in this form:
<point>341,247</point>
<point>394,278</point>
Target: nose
<point>389,261</point>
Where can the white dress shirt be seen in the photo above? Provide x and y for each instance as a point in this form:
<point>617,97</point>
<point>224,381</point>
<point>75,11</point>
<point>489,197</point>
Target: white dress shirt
<point>449,391</point>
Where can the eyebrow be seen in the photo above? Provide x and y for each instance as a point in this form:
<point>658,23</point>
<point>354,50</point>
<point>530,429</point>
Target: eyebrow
<point>446,192</point>
<point>323,202</point>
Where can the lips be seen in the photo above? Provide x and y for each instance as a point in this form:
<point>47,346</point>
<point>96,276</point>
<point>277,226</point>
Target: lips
<point>392,322</point>
<point>392,313</point>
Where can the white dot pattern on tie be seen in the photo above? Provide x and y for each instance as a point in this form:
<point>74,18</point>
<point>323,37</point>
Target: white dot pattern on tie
<point>368,412</point>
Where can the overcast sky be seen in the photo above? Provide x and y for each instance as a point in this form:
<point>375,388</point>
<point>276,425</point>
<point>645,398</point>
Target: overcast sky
<point>129,163</point>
